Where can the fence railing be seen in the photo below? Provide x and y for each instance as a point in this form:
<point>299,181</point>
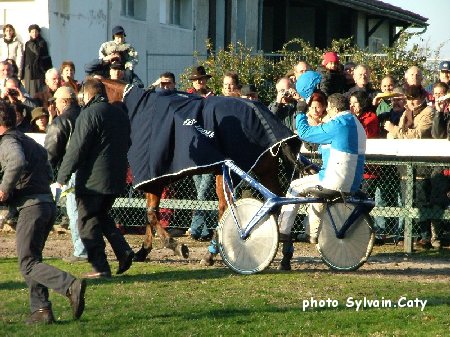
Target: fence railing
<point>409,190</point>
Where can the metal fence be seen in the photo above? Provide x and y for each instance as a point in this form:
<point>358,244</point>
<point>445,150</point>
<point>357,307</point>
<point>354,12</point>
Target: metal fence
<point>408,195</point>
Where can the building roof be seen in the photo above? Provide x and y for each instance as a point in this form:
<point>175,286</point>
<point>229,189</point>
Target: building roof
<point>387,10</point>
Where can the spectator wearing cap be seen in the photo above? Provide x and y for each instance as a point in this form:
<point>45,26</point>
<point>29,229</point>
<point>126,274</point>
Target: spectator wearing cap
<point>56,141</point>
<point>444,72</point>
<point>203,182</point>
<point>417,119</point>
<point>117,71</point>
<point>249,91</point>
<point>36,61</point>
<point>118,50</point>
<point>333,79</point>
<point>39,120</point>
<point>199,79</point>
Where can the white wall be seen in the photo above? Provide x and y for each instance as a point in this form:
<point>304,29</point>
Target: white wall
<point>77,28</point>
<point>21,14</point>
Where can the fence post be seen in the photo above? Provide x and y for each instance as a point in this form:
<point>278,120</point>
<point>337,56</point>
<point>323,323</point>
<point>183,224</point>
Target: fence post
<point>409,198</point>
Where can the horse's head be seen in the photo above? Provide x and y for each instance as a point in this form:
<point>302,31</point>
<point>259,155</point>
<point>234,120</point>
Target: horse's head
<point>114,90</point>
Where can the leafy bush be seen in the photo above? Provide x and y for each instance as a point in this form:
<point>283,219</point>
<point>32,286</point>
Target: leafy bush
<point>263,70</point>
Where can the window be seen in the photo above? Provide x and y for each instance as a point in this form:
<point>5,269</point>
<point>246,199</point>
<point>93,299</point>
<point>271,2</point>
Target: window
<point>176,12</point>
<point>136,9</point>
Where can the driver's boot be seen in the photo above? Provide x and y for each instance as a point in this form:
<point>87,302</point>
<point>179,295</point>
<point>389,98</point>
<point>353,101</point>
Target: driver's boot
<point>288,252</point>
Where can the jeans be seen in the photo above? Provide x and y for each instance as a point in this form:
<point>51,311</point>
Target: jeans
<point>203,183</point>
<point>72,212</point>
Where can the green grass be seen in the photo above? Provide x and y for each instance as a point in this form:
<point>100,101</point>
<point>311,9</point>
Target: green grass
<point>154,299</point>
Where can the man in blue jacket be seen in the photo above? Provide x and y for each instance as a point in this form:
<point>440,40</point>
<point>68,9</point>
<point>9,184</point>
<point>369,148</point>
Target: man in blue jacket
<point>343,145</point>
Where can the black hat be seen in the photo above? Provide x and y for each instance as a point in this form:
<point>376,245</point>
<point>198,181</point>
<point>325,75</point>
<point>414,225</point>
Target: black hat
<point>31,27</point>
<point>414,92</point>
<point>118,30</point>
<point>198,72</point>
<point>248,89</point>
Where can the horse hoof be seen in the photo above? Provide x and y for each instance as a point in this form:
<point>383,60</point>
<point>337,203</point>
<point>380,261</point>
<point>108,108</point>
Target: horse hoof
<point>207,260</point>
<point>182,250</point>
<point>141,255</point>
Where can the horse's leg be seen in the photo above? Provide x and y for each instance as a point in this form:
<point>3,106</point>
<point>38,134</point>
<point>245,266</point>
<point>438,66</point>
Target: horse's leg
<point>152,204</point>
<point>208,258</point>
<point>154,224</point>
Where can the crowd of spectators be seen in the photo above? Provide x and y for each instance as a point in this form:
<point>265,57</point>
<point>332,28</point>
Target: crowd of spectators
<point>399,109</point>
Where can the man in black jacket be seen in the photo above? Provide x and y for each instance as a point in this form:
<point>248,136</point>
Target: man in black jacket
<point>25,185</point>
<point>98,153</point>
<point>56,142</point>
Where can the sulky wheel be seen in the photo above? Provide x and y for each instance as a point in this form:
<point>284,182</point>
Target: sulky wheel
<point>350,252</point>
<point>256,252</point>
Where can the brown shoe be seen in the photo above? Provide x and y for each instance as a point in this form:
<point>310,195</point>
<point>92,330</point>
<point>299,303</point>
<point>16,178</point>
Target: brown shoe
<point>126,262</point>
<point>75,293</point>
<point>43,315</point>
<point>97,274</point>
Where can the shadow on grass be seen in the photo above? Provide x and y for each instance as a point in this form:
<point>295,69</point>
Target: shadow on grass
<point>388,264</point>
<point>168,276</point>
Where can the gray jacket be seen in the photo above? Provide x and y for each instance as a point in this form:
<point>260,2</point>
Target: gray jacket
<point>26,172</point>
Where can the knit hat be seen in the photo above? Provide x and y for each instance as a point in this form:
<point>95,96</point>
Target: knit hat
<point>307,83</point>
<point>330,56</point>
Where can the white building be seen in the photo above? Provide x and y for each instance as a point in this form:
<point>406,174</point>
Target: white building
<point>166,33</point>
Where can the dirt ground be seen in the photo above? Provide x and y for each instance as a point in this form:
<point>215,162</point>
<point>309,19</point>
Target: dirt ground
<point>388,259</point>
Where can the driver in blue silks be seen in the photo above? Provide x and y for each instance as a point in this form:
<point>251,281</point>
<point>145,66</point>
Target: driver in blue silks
<point>342,144</point>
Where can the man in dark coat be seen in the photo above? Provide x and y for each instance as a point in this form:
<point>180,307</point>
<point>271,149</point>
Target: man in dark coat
<point>56,142</point>
<point>25,185</point>
<point>98,152</point>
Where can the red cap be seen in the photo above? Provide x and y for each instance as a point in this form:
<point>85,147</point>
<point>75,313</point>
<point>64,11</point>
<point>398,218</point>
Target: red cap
<point>330,56</point>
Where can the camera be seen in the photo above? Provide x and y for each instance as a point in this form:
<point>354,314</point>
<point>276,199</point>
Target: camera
<point>13,92</point>
<point>285,93</point>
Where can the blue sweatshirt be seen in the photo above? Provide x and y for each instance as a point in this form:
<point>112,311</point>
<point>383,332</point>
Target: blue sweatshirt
<point>342,145</point>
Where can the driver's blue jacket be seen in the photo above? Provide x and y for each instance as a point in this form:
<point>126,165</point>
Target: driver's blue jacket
<point>342,145</point>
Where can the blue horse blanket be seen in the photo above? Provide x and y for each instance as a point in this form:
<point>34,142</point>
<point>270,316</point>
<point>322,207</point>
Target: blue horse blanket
<point>175,134</point>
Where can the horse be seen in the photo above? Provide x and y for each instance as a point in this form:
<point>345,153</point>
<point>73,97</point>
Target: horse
<point>264,168</point>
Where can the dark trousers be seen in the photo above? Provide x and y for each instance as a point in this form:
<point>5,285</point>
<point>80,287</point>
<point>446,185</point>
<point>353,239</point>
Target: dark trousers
<point>33,226</point>
<point>94,221</point>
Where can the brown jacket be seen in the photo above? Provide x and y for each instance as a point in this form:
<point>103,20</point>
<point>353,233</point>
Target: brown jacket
<point>421,128</point>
